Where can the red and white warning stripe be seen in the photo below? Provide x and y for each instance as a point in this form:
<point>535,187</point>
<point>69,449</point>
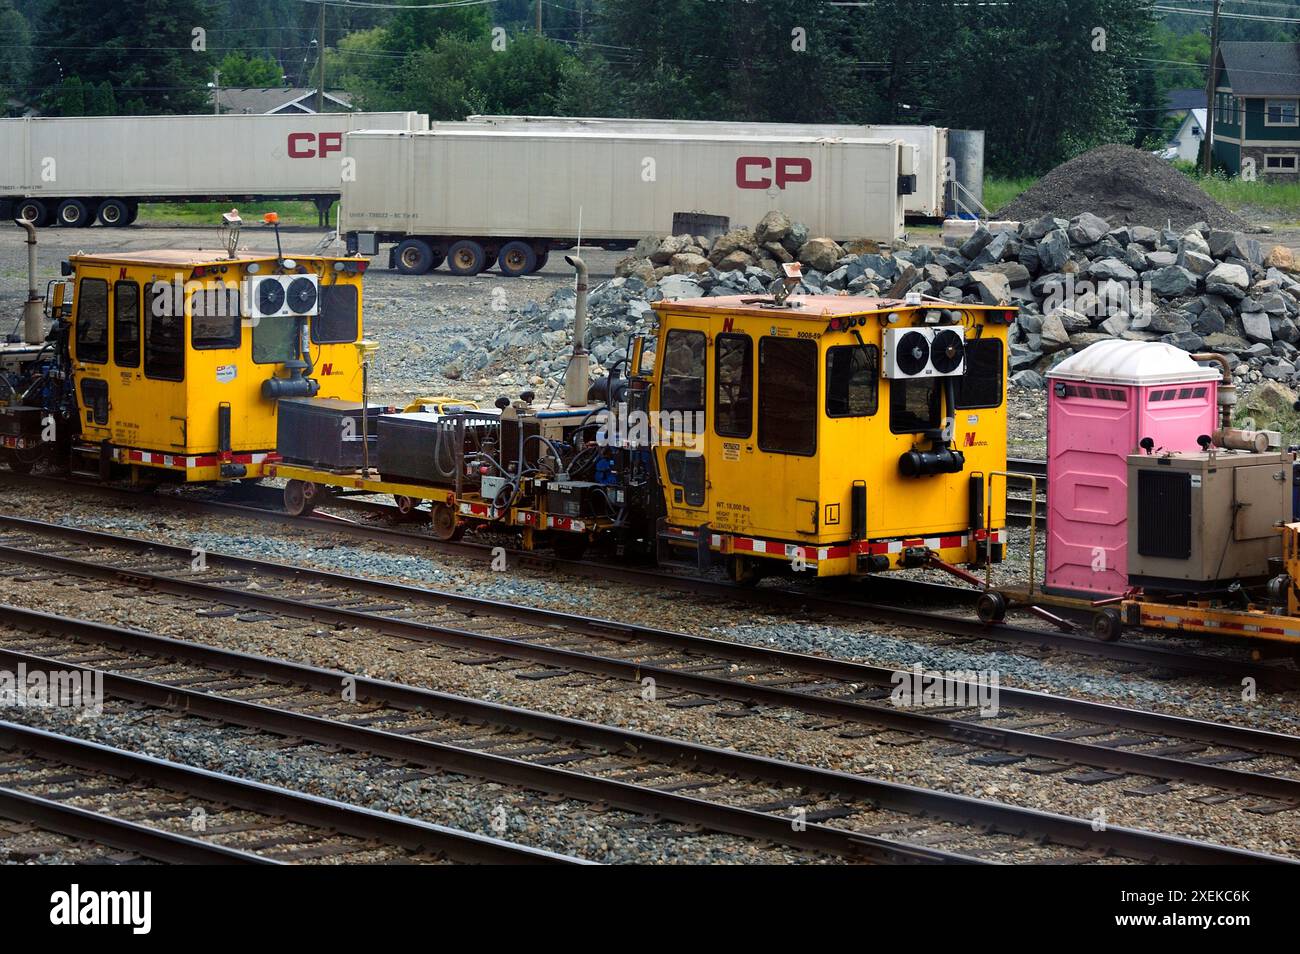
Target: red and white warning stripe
<point>790,551</point>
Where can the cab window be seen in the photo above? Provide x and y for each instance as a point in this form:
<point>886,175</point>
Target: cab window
<point>126,324</point>
<point>92,320</point>
<point>683,371</point>
<point>275,339</point>
<point>852,373</point>
<point>164,338</point>
<point>787,395</point>
<point>336,320</point>
<point>913,405</point>
<point>214,318</point>
<point>981,383</point>
<point>734,374</point>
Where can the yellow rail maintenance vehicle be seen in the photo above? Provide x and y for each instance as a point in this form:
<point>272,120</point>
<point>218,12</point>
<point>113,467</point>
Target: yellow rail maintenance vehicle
<point>828,435</point>
<point>176,361</point>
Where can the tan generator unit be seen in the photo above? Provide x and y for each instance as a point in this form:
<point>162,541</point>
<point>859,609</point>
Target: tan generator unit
<point>471,193</point>
<point>1199,521</point>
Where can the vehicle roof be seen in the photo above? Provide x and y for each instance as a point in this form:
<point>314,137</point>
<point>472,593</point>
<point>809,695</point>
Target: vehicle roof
<point>815,307</point>
<point>545,131</point>
<point>190,256</point>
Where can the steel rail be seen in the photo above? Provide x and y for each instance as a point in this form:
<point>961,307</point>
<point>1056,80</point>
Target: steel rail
<point>153,843</point>
<point>1069,831</point>
<point>1049,747</point>
<point>312,810</point>
<point>851,609</point>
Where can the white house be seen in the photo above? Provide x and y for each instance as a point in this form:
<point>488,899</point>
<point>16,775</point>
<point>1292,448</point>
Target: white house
<point>1186,143</point>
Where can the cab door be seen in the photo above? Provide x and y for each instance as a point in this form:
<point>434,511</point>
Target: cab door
<point>681,420</point>
<point>90,352</point>
<point>780,482</point>
<point>125,380</point>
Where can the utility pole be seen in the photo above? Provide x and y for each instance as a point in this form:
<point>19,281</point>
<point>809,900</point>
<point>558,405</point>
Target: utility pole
<point>320,62</point>
<point>1211,92</point>
<point>216,92</point>
<point>538,6</point>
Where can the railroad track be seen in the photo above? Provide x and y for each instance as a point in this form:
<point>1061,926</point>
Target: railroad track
<point>1045,734</point>
<point>762,797</point>
<point>1156,657</point>
<point>152,809</point>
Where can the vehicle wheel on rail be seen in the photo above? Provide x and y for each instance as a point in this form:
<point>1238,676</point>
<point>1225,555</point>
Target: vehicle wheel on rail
<point>570,546</point>
<point>73,214</point>
<point>20,463</point>
<point>33,210</point>
<point>113,213</point>
<point>443,522</point>
<point>1108,625</point>
<point>466,258</point>
<point>301,497</point>
<point>542,258</point>
<point>407,507</point>
<point>517,258</point>
<point>991,607</point>
<point>413,257</point>
<point>744,570</point>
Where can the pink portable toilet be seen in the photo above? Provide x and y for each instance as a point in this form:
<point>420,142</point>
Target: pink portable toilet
<point>1101,403</point>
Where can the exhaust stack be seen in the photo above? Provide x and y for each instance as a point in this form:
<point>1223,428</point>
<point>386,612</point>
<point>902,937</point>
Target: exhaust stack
<point>578,378</point>
<point>33,325</point>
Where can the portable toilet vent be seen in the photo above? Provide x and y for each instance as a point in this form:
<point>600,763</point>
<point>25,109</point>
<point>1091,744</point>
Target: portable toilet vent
<point>1101,404</point>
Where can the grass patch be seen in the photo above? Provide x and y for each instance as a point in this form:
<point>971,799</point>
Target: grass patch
<point>209,213</point>
<point>1282,198</point>
<point>998,192</point>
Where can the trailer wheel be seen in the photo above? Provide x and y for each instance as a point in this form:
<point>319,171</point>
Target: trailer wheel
<point>991,607</point>
<point>113,213</point>
<point>1108,625</point>
<point>33,210</point>
<point>72,213</point>
<point>542,257</point>
<point>466,257</point>
<point>517,259</point>
<point>133,210</point>
<point>413,257</point>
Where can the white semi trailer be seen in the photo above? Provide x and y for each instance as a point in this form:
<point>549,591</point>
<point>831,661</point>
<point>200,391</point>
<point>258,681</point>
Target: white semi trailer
<point>474,195</point>
<point>933,171</point>
<point>74,170</point>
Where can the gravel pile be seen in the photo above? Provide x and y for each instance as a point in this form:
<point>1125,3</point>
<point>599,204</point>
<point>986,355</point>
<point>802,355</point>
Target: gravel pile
<point>1126,186</point>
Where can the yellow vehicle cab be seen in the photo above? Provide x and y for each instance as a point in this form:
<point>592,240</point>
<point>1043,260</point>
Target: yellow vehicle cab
<point>838,435</point>
<point>178,357</point>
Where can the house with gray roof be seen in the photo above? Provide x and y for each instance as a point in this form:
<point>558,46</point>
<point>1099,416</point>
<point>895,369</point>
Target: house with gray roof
<point>277,100</point>
<point>1257,110</point>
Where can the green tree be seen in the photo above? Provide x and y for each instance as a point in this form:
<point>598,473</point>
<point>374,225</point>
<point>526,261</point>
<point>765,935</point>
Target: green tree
<point>100,100</point>
<point>239,69</point>
<point>16,41</point>
<point>144,49</point>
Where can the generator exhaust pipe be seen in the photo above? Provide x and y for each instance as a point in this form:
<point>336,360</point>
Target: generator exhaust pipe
<point>1227,390</point>
<point>578,378</point>
<point>33,326</point>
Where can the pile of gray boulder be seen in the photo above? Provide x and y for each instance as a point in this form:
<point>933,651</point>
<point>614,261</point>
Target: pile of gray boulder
<point>772,243</point>
<point>1075,281</point>
<point>1081,281</point>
